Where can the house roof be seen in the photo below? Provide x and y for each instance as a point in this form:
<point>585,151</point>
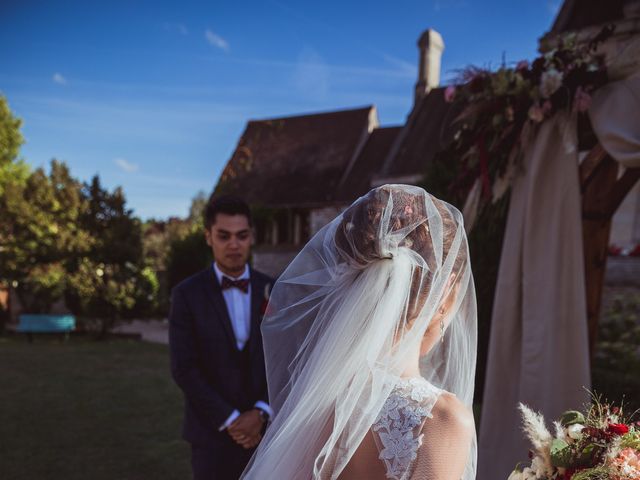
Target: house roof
<point>427,131</point>
<point>578,14</point>
<point>298,160</point>
<point>356,181</point>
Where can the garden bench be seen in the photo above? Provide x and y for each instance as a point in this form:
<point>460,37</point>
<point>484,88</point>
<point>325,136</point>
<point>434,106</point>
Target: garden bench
<point>31,324</point>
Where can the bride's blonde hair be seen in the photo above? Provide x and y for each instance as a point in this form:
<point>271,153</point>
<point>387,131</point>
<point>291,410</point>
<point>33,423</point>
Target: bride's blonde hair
<point>359,240</point>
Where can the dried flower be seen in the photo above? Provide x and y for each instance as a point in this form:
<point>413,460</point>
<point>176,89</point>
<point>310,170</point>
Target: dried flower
<point>509,114</point>
<point>535,113</point>
<point>550,82</point>
<point>535,429</point>
<point>515,475</point>
<point>582,101</point>
<point>522,65</point>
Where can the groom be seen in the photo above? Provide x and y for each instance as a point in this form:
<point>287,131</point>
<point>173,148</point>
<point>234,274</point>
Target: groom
<point>216,348</point>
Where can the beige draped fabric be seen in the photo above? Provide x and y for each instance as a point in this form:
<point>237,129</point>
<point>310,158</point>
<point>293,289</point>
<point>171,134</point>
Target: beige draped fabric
<point>615,116</point>
<point>538,350</point>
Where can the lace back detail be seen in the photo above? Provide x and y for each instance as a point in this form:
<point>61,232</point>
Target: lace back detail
<point>398,426</point>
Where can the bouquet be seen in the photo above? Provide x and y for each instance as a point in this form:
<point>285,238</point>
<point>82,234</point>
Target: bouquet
<point>601,444</point>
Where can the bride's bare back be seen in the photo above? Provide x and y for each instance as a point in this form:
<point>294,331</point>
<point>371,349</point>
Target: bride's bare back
<point>395,449</point>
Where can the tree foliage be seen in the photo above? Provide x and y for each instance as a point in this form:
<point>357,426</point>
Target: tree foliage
<point>12,169</point>
<point>41,233</point>
<point>111,281</point>
<point>187,256</point>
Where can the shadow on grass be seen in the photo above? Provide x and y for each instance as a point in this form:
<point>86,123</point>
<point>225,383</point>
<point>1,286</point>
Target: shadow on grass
<point>89,410</point>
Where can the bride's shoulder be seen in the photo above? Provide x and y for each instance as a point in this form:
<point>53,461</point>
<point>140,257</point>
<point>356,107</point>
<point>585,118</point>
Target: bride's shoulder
<point>450,414</point>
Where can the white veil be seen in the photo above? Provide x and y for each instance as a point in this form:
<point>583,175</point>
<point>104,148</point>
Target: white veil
<point>347,315</point>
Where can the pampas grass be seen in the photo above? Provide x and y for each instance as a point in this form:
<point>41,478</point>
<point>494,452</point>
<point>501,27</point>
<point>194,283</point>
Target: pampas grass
<point>536,431</point>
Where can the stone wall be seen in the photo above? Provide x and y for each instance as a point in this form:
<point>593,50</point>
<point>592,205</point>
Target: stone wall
<point>623,272</point>
<point>272,260</point>
<point>622,279</point>
<point>322,216</point>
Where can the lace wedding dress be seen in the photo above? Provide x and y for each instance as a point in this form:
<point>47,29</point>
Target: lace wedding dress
<point>399,425</point>
<point>397,433</point>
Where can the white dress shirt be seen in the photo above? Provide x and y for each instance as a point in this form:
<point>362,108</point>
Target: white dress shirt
<point>239,308</point>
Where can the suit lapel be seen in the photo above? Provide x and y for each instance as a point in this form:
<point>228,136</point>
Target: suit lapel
<point>257,299</point>
<point>214,294</point>
<point>257,296</point>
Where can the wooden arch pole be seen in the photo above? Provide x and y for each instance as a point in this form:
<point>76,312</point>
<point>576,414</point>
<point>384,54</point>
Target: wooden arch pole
<point>602,194</point>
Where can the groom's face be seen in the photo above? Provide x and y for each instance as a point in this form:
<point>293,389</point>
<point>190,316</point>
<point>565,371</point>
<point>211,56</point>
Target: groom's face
<point>230,240</point>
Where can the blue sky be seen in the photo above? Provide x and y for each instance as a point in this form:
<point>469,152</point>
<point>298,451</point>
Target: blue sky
<point>153,96</point>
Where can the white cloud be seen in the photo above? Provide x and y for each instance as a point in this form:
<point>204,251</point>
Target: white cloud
<point>59,79</point>
<point>404,67</point>
<point>126,165</point>
<point>216,40</point>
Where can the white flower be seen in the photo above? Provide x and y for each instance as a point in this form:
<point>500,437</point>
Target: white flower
<point>575,431</point>
<point>528,474</point>
<point>550,81</point>
<point>515,475</point>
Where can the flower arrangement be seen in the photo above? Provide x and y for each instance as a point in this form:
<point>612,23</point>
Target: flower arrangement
<point>501,110</point>
<point>601,444</point>
<point>617,251</point>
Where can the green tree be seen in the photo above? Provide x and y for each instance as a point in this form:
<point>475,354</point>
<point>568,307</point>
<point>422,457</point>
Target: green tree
<point>196,211</point>
<point>111,282</point>
<point>40,234</point>
<point>117,233</point>
<point>176,247</point>
<point>187,256</point>
<point>12,169</point>
<point>158,236</point>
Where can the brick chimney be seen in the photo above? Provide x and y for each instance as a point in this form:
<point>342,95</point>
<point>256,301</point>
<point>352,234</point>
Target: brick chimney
<point>431,47</point>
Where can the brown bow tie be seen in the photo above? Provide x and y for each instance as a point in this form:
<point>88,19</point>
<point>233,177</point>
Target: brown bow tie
<point>242,284</point>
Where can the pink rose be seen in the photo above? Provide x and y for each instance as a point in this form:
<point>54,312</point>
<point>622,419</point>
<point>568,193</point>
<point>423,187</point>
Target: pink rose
<point>582,100</point>
<point>628,460</point>
<point>449,93</point>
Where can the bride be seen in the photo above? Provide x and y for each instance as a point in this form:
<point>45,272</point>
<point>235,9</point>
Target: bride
<point>370,348</point>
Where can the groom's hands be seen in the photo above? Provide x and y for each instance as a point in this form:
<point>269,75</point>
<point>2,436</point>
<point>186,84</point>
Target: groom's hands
<point>245,430</point>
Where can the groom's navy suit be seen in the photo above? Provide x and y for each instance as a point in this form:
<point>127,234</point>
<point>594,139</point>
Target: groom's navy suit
<point>215,376</point>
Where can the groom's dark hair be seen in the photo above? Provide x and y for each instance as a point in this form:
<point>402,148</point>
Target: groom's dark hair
<point>227,204</point>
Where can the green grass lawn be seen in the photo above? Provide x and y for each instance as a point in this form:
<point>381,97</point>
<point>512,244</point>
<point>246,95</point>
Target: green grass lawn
<point>89,410</point>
